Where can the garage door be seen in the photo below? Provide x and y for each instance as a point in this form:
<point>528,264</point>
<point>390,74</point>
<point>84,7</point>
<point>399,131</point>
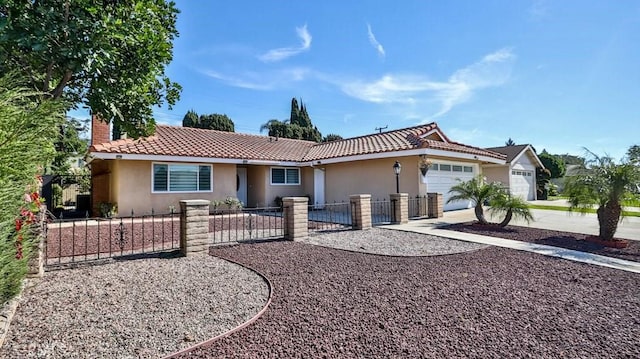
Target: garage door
<point>522,184</point>
<point>442,176</point>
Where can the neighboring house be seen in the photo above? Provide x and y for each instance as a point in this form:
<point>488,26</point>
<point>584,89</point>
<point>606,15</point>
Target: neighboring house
<point>187,163</point>
<point>519,171</point>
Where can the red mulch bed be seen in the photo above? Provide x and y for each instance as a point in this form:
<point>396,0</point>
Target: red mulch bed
<point>568,240</point>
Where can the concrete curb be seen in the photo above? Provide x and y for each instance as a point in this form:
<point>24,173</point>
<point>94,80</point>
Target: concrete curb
<point>8,311</point>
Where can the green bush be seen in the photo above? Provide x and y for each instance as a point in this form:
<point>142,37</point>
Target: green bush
<point>28,129</point>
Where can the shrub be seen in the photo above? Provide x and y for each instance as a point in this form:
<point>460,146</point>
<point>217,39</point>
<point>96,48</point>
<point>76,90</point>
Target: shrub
<point>28,130</point>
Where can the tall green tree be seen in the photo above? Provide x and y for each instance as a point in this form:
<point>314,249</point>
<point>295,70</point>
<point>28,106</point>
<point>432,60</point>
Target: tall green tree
<point>213,121</point>
<point>331,137</point>
<point>109,56</point>
<point>509,142</point>
<point>554,167</point>
<point>605,184</point>
<point>299,126</point>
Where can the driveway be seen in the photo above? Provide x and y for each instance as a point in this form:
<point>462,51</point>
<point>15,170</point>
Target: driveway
<point>629,228</point>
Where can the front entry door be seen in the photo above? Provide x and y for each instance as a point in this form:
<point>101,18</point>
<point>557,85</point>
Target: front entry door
<point>318,188</point>
<point>241,185</point>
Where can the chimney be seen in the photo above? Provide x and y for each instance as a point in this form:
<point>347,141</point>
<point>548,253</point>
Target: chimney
<point>99,130</point>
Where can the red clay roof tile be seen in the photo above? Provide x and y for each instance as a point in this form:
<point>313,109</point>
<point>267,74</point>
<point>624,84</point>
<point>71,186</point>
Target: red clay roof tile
<point>192,142</point>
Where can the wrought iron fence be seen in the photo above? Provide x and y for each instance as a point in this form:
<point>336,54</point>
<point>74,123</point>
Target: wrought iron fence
<point>329,217</point>
<point>418,207</point>
<point>234,225</point>
<point>82,240</point>
<point>381,211</point>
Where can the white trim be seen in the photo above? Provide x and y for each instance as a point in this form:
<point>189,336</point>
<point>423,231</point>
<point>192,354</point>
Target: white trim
<point>169,191</point>
<point>187,159</point>
<point>405,153</point>
<point>285,176</point>
<point>369,156</point>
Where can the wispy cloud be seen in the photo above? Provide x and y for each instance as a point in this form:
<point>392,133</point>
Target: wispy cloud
<point>538,10</point>
<point>374,42</point>
<point>492,70</point>
<point>262,81</point>
<point>286,52</point>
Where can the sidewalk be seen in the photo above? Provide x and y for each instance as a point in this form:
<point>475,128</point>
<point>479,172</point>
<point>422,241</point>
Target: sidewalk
<point>430,226</point>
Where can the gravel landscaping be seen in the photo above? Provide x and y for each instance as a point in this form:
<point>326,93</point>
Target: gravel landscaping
<point>567,240</point>
<point>392,243</point>
<point>144,308</point>
<point>489,303</point>
<point>477,301</point>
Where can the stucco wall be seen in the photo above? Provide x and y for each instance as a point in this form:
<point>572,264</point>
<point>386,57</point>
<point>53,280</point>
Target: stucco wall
<point>273,191</point>
<point>132,188</point>
<point>375,177</point>
<point>497,174</point>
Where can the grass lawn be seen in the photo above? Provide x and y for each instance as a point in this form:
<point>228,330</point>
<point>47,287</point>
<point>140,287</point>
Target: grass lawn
<point>566,209</point>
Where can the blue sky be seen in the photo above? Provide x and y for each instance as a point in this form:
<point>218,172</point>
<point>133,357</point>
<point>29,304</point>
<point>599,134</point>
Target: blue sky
<point>557,74</point>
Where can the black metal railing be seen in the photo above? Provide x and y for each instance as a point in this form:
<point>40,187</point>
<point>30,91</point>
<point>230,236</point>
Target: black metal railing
<point>83,240</point>
<point>381,211</point>
<point>235,225</point>
<point>417,207</point>
<point>329,217</point>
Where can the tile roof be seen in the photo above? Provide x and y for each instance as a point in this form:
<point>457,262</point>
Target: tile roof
<point>511,151</point>
<point>192,142</point>
<point>397,140</point>
<point>195,142</point>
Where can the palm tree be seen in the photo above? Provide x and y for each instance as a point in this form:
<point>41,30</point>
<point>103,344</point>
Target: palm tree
<point>477,191</point>
<point>511,206</point>
<point>605,184</point>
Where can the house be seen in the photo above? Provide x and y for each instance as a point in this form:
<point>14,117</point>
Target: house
<point>188,163</point>
<point>518,172</point>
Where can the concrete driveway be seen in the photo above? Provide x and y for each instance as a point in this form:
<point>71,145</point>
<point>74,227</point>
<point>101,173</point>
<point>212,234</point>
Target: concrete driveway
<point>629,228</point>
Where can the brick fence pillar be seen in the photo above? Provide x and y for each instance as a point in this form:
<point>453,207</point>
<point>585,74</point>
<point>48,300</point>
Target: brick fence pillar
<point>360,211</point>
<point>194,227</point>
<point>399,208</point>
<point>296,218</point>
<point>435,205</point>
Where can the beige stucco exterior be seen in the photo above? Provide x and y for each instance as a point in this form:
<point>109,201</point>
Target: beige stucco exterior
<point>375,177</point>
<point>131,188</point>
<point>261,193</point>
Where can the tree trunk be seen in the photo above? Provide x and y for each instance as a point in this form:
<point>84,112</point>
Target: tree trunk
<point>480,214</point>
<point>608,218</point>
<point>507,218</point>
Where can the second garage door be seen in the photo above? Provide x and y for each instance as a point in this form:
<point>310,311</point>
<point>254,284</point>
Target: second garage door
<point>522,184</point>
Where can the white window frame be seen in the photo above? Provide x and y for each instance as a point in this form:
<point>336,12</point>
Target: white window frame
<point>169,164</point>
<point>285,176</point>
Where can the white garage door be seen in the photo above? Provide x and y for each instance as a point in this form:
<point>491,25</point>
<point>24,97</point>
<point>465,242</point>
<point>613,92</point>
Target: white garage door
<point>443,175</point>
<point>522,184</point>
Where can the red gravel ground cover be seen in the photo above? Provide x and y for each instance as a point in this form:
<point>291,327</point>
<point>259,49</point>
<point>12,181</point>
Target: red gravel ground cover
<point>567,240</point>
<point>490,303</point>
